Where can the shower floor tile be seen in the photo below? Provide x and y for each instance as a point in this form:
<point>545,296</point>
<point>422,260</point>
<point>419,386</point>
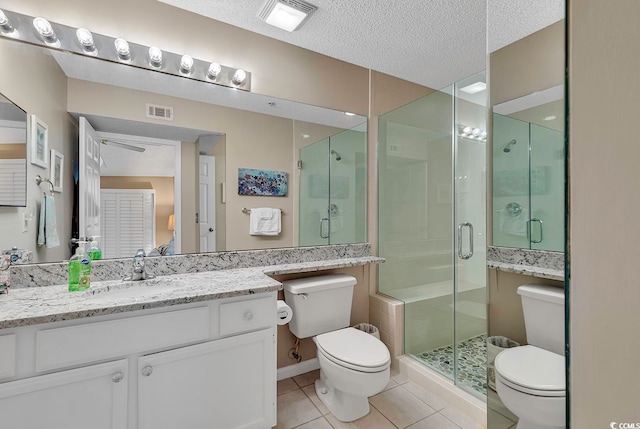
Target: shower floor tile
<point>472,362</point>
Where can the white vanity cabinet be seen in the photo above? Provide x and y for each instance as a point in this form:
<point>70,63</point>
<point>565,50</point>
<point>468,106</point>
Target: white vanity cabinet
<point>208,365</point>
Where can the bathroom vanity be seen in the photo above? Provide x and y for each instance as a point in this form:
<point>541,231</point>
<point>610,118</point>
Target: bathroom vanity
<point>190,350</point>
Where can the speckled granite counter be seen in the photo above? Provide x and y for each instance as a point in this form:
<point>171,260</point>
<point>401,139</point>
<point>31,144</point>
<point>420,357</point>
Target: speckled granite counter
<point>536,263</point>
<point>35,305</point>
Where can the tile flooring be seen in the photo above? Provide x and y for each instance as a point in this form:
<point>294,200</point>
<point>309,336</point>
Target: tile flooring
<point>403,404</point>
<point>472,362</point>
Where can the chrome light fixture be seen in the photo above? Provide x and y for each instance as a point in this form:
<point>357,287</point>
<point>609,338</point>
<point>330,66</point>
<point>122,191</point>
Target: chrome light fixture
<point>186,64</point>
<point>5,24</point>
<point>213,71</point>
<point>239,76</point>
<point>286,14</point>
<point>122,49</point>
<point>45,30</point>
<point>85,38</point>
<point>155,57</point>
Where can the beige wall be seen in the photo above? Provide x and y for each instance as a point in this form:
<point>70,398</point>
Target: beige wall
<point>164,198</point>
<point>359,313</point>
<point>603,234</point>
<point>40,89</point>
<point>278,69</point>
<point>190,233</point>
<point>219,151</point>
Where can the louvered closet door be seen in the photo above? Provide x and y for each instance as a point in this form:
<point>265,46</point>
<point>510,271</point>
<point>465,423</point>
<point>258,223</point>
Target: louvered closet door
<point>127,221</point>
<point>13,182</point>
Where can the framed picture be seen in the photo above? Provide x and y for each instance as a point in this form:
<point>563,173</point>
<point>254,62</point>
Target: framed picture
<point>262,182</point>
<point>39,142</point>
<point>56,170</point>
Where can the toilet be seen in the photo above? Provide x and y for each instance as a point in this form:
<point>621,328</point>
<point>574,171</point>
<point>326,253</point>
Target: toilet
<point>530,380</point>
<point>354,365</point>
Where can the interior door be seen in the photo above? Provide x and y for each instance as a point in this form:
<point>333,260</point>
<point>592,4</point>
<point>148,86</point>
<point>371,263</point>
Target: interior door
<point>207,214</point>
<point>89,198</point>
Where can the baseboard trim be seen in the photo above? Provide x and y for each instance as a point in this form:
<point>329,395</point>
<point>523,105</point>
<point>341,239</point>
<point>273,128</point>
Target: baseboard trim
<point>298,368</point>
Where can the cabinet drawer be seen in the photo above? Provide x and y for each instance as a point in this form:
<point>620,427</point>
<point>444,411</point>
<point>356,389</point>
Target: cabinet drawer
<point>73,345</point>
<point>7,356</point>
<point>249,315</point>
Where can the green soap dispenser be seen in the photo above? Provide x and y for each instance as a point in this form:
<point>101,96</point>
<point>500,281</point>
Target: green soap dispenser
<point>95,253</point>
<point>80,269</point>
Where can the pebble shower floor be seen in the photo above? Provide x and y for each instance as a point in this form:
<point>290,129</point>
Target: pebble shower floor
<point>472,362</point>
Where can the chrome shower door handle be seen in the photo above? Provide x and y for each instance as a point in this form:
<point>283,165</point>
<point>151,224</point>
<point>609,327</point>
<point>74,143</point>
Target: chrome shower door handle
<point>541,231</point>
<point>461,227</point>
<point>322,227</point>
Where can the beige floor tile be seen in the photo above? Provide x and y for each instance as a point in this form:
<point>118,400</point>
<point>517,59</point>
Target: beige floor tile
<point>310,391</point>
<point>426,396</point>
<point>287,385</point>
<point>435,421</point>
<point>390,385</point>
<point>397,377</point>
<point>498,421</point>
<point>373,420</point>
<point>401,407</point>
<point>294,409</point>
<point>307,379</point>
<point>320,423</point>
<point>460,418</point>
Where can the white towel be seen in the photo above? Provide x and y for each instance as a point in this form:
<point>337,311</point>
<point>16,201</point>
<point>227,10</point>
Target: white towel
<point>48,232</point>
<point>265,221</point>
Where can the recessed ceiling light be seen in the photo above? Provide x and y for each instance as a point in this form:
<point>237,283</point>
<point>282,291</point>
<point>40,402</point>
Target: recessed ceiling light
<point>305,136</point>
<point>474,88</point>
<point>286,14</point>
<point>550,118</point>
<point>349,114</point>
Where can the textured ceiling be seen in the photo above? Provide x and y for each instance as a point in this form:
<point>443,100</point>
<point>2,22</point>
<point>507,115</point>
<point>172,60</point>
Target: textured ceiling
<point>430,42</point>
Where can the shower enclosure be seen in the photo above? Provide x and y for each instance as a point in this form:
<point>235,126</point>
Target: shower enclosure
<point>432,211</point>
<point>332,189</point>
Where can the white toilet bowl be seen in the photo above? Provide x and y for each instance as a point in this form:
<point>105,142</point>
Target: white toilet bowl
<point>353,366</point>
<point>531,383</point>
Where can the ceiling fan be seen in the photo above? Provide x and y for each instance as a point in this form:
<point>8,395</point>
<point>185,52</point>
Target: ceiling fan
<point>122,145</point>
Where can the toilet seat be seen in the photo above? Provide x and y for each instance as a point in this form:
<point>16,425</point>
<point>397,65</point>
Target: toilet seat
<point>354,349</point>
<point>532,370</point>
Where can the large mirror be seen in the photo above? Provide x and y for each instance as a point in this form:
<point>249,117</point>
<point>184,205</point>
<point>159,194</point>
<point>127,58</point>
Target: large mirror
<point>13,154</point>
<point>173,165</point>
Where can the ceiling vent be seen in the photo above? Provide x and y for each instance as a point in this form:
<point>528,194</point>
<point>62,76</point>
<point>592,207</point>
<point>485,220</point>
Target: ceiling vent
<point>159,112</point>
<point>286,14</point>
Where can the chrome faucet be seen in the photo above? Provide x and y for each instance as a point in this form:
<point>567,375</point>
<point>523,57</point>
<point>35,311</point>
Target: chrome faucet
<point>139,272</point>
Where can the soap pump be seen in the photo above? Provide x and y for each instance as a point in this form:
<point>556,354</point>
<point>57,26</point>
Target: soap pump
<point>80,269</point>
<point>95,253</point>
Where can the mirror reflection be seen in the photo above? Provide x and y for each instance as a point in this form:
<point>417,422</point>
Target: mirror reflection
<point>13,154</point>
<point>162,163</point>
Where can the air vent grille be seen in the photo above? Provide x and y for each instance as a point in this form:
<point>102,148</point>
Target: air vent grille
<point>296,4</point>
<point>160,112</point>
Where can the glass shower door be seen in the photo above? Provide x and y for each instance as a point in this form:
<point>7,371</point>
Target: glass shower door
<point>314,194</point>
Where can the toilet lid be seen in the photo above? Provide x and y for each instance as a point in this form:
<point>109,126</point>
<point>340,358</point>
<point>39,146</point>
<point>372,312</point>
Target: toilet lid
<point>355,348</point>
<point>532,369</point>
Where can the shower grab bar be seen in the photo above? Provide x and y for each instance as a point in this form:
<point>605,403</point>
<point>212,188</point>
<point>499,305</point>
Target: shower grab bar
<point>529,235</point>
<point>461,255</point>
<point>322,229</point>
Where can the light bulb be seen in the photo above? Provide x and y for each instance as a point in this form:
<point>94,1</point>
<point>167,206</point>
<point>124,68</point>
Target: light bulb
<point>239,76</point>
<point>186,64</point>
<point>155,56</point>
<point>86,39</point>
<point>467,130</point>
<point>483,134</point>
<point>5,24</point>
<point>44,28</point>
<point>122,49</point>
<point>214,71</point>
<point>476,132</point>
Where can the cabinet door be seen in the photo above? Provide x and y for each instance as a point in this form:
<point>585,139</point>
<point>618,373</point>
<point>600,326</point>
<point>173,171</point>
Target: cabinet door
<point>92,397</point>
<point>223,384</point>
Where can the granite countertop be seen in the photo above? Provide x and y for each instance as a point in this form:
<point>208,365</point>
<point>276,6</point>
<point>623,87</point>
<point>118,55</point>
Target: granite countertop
<point>35,305</point>
<point>541,272</point>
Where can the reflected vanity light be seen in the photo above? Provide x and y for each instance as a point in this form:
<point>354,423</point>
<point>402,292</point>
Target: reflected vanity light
<point>41,32</point>
<point>122,49</point>
<point>155,57</point>
<point>85,38</point>
<point>186,64</point>
<point>550,118</point>
<point>349,114</point>
<point>45,30</point>
<point>472,133</point>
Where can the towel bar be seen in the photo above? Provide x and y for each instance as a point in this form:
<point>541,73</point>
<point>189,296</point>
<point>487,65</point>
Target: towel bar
<point>39,180</point>
<point>248,211</point>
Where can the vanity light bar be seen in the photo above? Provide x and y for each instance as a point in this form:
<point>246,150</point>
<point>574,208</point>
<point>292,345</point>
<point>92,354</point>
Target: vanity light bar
<point>41,32</point>
<point>472,133</point>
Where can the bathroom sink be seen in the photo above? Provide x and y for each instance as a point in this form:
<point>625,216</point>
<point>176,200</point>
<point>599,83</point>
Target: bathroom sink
<point>131,289</point>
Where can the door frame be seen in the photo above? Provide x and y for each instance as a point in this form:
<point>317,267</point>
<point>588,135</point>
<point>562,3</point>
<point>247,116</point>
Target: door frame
<point>177,176</point>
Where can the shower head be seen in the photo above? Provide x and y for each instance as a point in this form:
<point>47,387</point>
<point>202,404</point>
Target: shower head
<point>507,148</point>
<point>338,156</point>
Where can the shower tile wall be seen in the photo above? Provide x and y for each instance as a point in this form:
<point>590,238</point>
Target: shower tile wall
<point>388,316</point>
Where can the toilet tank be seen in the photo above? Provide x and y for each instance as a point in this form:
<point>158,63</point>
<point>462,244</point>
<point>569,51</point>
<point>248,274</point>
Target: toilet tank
<point>320,304</point>
<point>543,308</point>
